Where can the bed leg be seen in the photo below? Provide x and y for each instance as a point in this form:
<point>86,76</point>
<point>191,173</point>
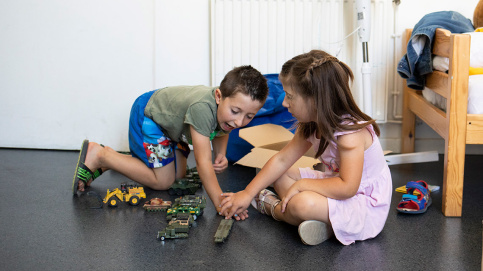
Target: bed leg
<point>408,124</point>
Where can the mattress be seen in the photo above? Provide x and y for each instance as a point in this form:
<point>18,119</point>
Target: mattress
<point>475,83</point>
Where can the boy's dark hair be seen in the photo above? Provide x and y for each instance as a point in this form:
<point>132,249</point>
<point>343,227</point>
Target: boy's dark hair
<point>325,80</point>
<point>247,80</point>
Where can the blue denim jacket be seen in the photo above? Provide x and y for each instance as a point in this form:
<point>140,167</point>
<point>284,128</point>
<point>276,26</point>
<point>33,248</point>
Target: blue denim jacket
<point>414,66</point>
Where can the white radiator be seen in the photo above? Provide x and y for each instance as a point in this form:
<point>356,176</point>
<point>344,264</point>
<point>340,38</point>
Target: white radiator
<point>266,33</point>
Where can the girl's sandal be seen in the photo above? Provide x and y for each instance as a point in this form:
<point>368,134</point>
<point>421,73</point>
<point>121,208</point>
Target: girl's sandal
<point>266,197</point>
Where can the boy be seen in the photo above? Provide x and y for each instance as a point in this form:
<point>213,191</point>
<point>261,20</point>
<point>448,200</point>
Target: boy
<point>162,124</point>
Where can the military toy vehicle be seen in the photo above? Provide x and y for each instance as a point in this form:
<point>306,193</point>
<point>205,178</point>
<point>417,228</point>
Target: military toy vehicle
<point>190,204</point>
<point>223,230</point>
<point>192,173</point>
<point>184,186</point>
<point>175,229</point>
<point>156,204</point>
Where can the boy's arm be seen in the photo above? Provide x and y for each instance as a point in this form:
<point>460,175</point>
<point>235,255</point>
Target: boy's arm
<point>202,151</point>
<point>219,150</point>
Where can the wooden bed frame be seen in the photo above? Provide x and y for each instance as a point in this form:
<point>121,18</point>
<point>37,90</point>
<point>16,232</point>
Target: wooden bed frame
<point>455,126</point>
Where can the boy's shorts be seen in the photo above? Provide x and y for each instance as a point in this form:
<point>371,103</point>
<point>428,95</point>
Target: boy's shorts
<point>147,141</point>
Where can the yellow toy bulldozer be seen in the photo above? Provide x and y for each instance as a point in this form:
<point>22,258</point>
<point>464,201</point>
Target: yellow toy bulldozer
<point>127,193</point>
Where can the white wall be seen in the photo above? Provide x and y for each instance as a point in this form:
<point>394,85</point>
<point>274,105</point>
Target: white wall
<point>70,70</point>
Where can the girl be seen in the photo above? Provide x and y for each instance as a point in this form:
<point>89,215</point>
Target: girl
<point>351,198</point>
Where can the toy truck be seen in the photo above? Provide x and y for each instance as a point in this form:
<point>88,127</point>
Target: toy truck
<point>156,204</point>
<point>127,193</point>
<point>223,230</point>
<point>175,229</point>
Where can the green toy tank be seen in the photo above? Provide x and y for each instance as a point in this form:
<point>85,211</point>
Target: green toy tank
<point>223,230</point>
<point>192,173</point>
<point>184,186</point>
<point>189,204</point>
<point>191,200</point>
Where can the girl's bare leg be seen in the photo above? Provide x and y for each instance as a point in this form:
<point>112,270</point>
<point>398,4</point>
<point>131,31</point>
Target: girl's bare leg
<point>131,167</point>
<point>306,205</point>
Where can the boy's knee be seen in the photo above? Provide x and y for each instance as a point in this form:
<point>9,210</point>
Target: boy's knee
<point>162,184</point>
<point>164,178</point>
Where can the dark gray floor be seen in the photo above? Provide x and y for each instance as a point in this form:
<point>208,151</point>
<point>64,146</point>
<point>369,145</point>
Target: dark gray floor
<point>44,227</point>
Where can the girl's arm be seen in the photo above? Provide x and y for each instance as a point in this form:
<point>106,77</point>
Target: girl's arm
<point>234,203</point>
<point>219,151</point>
<point>351,149</point>
<point>202,152</point>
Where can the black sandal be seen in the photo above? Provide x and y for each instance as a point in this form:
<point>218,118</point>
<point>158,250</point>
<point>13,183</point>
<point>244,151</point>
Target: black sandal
<point>82,172</point>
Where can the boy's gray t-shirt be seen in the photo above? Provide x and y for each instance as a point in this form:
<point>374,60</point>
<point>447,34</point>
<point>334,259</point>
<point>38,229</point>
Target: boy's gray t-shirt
<point>176,108</point>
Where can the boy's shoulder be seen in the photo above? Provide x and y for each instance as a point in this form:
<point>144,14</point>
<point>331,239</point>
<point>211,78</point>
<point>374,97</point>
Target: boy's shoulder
<point>188,88</point>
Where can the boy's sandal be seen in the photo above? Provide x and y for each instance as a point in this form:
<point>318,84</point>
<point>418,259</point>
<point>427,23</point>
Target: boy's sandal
<point>415,204</point>
<point>266,197</point>
<point>82,172</point>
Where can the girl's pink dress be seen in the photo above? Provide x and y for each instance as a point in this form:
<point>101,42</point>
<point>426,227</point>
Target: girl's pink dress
<point>363,216</point>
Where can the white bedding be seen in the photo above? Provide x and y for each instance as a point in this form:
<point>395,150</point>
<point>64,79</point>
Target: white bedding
<point>475,83</point>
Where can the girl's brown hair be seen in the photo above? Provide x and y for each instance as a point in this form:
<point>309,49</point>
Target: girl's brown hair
<point>325,80</point>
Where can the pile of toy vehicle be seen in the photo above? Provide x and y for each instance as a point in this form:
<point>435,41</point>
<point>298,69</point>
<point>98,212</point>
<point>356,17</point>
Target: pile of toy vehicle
<point>180,215</point>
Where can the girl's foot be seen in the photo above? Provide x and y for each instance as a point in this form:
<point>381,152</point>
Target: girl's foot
<point>314,232</point>
<point>265,202</point>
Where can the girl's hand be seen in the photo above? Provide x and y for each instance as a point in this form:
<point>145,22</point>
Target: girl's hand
<point>235,204</point>
<point>220,164</point>
<point>292,191</point>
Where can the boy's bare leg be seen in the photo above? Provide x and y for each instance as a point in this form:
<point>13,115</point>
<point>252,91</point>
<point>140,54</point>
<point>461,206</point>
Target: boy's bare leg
<point>181,163</point>
<point>131,167</point>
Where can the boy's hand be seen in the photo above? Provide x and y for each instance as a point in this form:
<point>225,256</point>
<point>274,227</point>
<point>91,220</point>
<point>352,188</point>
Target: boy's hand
<point>220,164</point>
<point>236,204</point>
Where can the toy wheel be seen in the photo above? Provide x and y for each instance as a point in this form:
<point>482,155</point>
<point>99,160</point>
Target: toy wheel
<point>179,192</point>
<point>161,238</point>
<point>171,191</point>
<point>134,200</point>
<point>195,217</point>
<point>186,192</point>
<point>112,201</point>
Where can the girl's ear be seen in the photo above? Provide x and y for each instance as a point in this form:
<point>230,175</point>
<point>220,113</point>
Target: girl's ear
<point>218,96</point>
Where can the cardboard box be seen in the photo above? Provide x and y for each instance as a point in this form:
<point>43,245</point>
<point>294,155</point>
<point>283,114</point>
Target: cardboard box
<point>267,140</point>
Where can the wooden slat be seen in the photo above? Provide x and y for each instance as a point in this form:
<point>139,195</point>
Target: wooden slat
<point>438,82</point>
<point>430,114</point>
<point>442,46</point>
<point>474,129</point>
